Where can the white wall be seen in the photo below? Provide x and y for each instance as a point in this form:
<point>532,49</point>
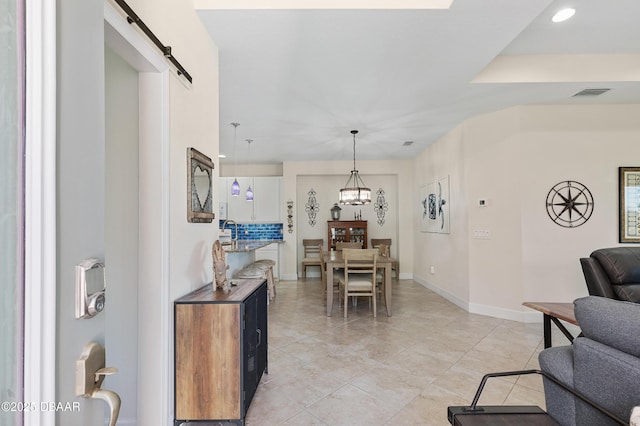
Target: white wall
<point>192,122</point>
<point>326,189</point>
<point>394,177</point>
<point>512,158</point>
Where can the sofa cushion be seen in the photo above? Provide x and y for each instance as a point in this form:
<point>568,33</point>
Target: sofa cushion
<point>608,377</point>
<point>614,323</point>
<point>627,292</point>
<point>621,264</point>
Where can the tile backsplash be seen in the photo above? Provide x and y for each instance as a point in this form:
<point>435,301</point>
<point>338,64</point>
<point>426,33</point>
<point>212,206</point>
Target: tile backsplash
<point>255,231</point>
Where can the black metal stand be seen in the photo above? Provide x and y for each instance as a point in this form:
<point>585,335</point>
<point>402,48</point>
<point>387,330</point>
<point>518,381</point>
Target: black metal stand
<point>475,408</point>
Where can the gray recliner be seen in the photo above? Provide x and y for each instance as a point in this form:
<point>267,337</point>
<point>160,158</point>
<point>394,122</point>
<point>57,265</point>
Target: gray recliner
<point>604,365</point>
<point>613,273</point>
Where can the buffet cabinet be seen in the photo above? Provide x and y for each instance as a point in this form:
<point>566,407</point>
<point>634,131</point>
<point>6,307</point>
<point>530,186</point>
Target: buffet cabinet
<point>346,231</point>
<point>220,352</point>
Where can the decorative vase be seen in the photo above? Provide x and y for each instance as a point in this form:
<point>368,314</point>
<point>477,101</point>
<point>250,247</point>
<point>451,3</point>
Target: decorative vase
<point>335,212</point>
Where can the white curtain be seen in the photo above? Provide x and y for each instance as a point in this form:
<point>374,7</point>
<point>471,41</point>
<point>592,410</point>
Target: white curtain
<point>11,205</point>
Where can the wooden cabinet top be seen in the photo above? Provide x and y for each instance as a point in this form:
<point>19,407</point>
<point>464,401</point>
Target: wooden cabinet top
<point>351,223</point>
<point>237,294</point>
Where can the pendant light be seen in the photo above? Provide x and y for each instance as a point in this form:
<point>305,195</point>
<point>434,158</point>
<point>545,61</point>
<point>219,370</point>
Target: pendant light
<point>249,196</point>
<point>235,186</point>
<point>355,193</point>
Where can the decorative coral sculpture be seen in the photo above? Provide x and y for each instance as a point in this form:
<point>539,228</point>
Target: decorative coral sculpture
<point>220,267</point>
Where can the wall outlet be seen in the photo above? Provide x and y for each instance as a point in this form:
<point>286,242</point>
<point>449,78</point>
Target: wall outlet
<point>432,269</point>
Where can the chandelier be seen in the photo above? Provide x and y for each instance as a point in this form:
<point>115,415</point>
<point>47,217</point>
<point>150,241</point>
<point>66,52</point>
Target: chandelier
<point>354,192</point>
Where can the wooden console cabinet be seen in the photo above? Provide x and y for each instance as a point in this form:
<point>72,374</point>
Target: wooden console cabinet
<point>220,352</point>
<point>346,231</point>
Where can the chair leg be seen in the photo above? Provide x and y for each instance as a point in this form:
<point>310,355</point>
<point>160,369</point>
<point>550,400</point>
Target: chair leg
<point>346,302</point>
<point>374,297</point>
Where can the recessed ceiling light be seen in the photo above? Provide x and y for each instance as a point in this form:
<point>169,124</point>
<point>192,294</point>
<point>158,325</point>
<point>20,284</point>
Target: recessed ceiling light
<point>563,15</point>
<point>222,156</point>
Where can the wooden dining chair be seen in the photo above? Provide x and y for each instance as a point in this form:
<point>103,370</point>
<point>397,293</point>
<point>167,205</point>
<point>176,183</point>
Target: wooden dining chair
<point>395,266</point>
<point>383,251</point>
<point>323,274</point>
<point>348,244</point>
<point>359,276</point>
<point>312,249</point>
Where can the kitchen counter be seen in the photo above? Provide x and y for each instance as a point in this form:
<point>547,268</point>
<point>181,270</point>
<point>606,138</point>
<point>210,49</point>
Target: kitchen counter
<point>242,246</point>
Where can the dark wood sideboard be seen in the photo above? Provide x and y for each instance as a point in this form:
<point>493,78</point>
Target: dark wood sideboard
<point>220,352</point>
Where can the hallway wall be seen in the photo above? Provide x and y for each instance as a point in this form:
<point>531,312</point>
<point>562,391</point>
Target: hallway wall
<point>512,158</point>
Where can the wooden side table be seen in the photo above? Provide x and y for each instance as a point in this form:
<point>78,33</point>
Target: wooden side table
<point>554,312</point>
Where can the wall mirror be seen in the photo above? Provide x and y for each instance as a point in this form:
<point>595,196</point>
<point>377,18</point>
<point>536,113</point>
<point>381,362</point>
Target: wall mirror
<point>199,187</point>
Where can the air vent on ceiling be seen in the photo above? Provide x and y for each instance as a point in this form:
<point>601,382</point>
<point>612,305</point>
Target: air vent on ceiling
<point>591,92</point>
<point>407,143</point>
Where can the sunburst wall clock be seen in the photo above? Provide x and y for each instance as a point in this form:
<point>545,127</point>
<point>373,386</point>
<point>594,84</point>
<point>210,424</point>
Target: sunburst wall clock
<point>569,204</point>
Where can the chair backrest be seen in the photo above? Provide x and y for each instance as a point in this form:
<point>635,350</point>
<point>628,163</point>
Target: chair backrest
<point>613,273</point>
<point>312,247</point>
<point>323,267</point>
<point>360,261</point>
<point>340,245</point>
<point>383,250</point>
<point>375,242</point>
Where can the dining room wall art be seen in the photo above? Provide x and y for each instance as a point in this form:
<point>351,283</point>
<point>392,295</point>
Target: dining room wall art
<point>381,206</point>
<point>629,204</point>
<point>312,207</point>
<point>290,216</point>
<point>435,206</point>
<point>199,187</point>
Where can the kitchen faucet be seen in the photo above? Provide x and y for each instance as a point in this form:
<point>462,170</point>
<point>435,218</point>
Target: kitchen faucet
<point>232,222</point>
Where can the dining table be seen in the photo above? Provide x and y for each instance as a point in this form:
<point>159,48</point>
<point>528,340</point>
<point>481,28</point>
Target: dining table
<point>334,260</point>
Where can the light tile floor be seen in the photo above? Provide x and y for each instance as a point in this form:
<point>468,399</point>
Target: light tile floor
<point>399,370</point>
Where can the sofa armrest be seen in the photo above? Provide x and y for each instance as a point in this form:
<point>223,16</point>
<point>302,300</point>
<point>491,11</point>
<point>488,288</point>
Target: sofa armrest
<point>597,280</point>
<point>558,362</point>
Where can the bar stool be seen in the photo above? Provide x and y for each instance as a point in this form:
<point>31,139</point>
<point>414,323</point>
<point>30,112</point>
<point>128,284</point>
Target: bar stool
<point>261,269</point>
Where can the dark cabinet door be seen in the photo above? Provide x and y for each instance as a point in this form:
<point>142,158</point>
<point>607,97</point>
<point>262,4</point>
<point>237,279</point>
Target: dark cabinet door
<point>255,342</point>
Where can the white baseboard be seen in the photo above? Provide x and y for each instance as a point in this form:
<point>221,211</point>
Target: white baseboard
<point>475,308</point>
<point>288,277</point>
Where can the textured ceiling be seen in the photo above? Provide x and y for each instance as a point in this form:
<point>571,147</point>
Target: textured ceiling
<point>298,81</point>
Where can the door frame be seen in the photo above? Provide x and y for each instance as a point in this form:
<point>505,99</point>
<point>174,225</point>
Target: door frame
<point>40,211</point>
<point>154,376</point>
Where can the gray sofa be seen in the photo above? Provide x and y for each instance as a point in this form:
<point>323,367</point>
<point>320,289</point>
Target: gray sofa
<point>604,365</point>
<point>613,273</point>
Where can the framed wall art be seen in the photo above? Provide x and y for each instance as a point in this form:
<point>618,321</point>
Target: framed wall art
<point>199,187</point>
<point>629,199</point>
<point>434,203</point>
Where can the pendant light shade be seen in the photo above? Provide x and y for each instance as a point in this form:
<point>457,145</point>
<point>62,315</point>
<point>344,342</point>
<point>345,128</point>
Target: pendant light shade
<point>235,186</point>
<point>355,193</point>
<point>249,195</point>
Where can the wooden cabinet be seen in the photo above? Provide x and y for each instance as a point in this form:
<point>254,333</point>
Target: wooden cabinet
<point>220,351</point>
<point>267,205</point>
<point>347,231</point>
